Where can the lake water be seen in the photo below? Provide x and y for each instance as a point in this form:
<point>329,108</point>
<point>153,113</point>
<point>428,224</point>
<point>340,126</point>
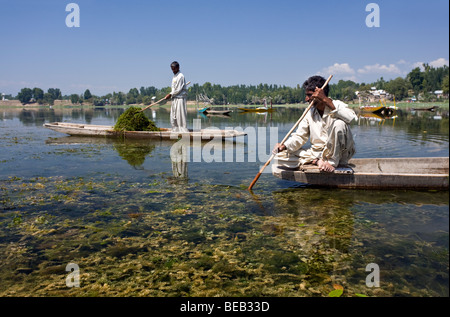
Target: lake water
<point>136,223</point>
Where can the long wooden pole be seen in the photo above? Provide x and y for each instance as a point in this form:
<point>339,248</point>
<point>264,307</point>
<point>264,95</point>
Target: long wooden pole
<point>158,101</point>
<point>152,104</point>
<point>286,137</point>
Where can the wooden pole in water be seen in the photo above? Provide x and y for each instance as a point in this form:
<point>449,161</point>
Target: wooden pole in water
<point>286,137</point>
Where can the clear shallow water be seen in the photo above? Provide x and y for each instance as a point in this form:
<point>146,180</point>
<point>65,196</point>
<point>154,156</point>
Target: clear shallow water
<point>138,224</point>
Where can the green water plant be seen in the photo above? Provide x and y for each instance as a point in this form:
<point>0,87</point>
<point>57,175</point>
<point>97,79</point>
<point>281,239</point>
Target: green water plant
<point>134,120</point>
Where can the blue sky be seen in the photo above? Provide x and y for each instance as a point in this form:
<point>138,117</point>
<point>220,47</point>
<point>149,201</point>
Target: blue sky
<point>125,44</point>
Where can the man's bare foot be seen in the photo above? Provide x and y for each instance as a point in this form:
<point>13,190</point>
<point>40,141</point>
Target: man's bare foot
<point>324,166</point>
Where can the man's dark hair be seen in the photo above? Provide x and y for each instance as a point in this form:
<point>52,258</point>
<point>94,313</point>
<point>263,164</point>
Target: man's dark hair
<point>315,81</point>
<point>175,64</point>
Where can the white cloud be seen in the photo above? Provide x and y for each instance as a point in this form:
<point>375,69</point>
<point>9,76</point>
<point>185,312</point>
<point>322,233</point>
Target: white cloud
<point>418,64</point>
<point>339,69</point>
<point>439,62</point>
<point>370,73</point>
<point>436,63</point>
<point>342,71</point>
<point>377,69</point>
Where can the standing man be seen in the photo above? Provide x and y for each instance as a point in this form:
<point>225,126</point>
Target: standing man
<point>178,111</point>
<point>326,125</point>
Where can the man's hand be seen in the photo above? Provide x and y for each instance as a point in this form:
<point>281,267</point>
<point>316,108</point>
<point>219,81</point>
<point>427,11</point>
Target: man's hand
<point>320,96</point>
<point>168,96</point>
<point>278,148</point>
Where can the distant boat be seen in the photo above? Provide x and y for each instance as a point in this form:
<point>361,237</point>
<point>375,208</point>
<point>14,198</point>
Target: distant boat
<point>375,173</point>
<point>259,109</point>
<point>92,130</point>
<point>426,109</point>
<point>382,109</point>
<point>386,111</point>
<point>203,109</point>
<point>373,109</point>
<point>217,111</point>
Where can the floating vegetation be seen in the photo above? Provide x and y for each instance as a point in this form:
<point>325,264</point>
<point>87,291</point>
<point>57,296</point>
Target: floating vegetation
<point>127,243</point>
<point>133,119</point>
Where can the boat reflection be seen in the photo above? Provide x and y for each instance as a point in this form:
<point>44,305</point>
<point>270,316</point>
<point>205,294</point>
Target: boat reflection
<point>135,152</point>
<point>380,118</point>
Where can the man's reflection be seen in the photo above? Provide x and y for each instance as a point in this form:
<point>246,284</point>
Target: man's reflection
<point>179,156</point>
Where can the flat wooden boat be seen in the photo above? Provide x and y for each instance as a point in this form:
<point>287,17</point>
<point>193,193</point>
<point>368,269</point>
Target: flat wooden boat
<point>217,111</point>
<point>93,130</point>
<point>259,109</point>
<point>373,109</point>
<point>375,173</point>
<point>434,108</point>
<point>383,110</point>
<point>203,110</point>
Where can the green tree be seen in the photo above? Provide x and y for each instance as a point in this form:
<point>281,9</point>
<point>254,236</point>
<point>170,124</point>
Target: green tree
<point>344,90</point>
<point>398,87</point>
<point>416,79</point>
<point>87,95</point>
<point>55,93</point>
<point>133,93</point>
<point>444,86</point>
<point>118,98</point>
<point>74,98</point>
<point>38,95</point>
<point>380,84</point>
<point>48,98</point>
<point>25,95</point>
<point>146,100</point>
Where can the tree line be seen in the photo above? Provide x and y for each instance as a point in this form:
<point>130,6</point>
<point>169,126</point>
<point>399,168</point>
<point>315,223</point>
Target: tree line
<point>420,83</point>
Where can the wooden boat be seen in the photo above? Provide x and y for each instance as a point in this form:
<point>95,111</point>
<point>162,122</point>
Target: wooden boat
<point>217,111</point>
<point>203,110</point>
<point>259,109</point>
<point>373,109</point>
<point>382,110</point>
<point>434,108</point>
<point>164,134</point>
<point>376,173</point>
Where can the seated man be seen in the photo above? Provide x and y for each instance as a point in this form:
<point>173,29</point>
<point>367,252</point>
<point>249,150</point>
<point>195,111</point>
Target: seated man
<point>327,127</point>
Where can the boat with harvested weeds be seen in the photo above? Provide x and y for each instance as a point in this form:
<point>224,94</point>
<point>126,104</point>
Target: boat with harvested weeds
<point>93,130</point>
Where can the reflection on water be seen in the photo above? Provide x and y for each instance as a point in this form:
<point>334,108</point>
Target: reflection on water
<point>134,153</point>
<point>138,223</point>
<point>179,157</point>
